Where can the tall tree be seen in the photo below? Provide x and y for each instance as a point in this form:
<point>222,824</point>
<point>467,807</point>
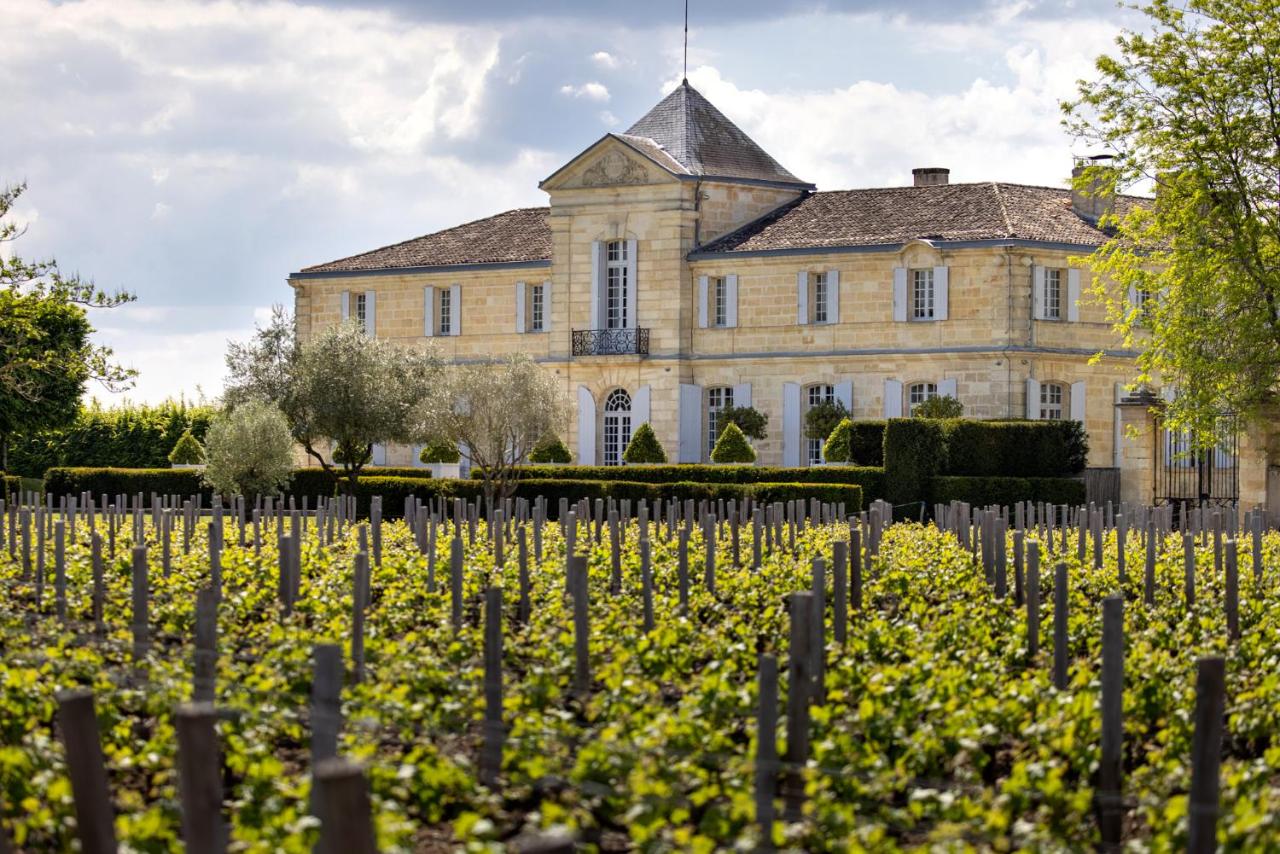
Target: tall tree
<point>46,355</point>
<point>342,392</point>
<point>1193,279</point>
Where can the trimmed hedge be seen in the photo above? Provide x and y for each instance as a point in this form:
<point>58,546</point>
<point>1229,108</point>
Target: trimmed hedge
<point>9,484</point>
<point>1014,448</point>
<point>68,480</point>
<point>1006,491</point>
<point>700,473</point>
<point>394,490</point>
<point>866,443</point>
<point>914,450</point>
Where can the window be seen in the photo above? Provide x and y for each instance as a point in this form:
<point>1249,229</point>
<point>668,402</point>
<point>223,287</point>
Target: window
<point>1052,293</point>
<point>446,311</point>
<point>816,395</point>
<point>719,301</point>
<point>718,398</point>
<point>362,309</point>
<point>918,393</point>
<point>1051,397</point>
<point>922,294</point>
<point>537,308</point>
<point>617,312</point>
<point>821,297</point>
<point>617,426</point>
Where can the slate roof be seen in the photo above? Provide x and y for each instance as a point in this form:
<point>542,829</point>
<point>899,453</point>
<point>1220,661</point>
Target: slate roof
<point>703,141</point>
<point>894,215</point>
<point>521,235</point>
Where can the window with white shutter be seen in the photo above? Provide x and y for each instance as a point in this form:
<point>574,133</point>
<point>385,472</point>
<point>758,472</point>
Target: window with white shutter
<point>538,308</point>
<point>922,294</point>
<point>718,398</point>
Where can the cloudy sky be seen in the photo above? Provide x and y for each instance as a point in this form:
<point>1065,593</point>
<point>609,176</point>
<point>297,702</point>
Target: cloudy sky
<point>196,152</point>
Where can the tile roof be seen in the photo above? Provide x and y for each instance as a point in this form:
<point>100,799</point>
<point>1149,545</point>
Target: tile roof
<point>701,139</point>
<point>892,215</point>
<point>521,235</point>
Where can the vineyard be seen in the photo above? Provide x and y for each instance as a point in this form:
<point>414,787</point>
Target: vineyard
<point>918,686</point>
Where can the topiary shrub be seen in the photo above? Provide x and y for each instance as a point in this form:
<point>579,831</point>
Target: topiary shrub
<point>644,447</point>
<point>188,451</point>
<point>733,447</point>
<point>439,452</point>
<point>550,450</point>
<point>751,421</point>
<point>914,451</point>
<point>822,418</point>
<point>944,406</point>
<point>838,446</point>
<point>866,443</point>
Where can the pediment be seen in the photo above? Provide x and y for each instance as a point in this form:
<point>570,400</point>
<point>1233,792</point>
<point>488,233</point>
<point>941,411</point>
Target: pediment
<point>611,162</point>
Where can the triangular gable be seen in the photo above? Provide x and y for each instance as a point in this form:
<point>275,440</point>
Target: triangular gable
<point>616,159</point>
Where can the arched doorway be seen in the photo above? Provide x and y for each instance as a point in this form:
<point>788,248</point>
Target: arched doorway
<point>617,426</point>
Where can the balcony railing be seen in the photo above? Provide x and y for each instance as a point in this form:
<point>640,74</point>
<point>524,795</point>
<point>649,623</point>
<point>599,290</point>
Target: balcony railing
<point>611,342</point>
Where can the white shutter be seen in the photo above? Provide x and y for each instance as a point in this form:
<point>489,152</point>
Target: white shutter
<point>633,306</point>
<point>941,288</point>
<point>378,456</point>
<point>1073,294</point>
<point>731,300</point>
<point>844,394</point>
<point>345,309</point>
<point>597,284</point>
<point>640,407</point>
<point>892,398</point>
<point>689,448</point>
<point>1037,292</point>
<point>742,394</point>
<point>1033,399</point>
<point>899,294</point>
<point>520,295</point>
<point>791,434</point>
<point>703,282</point>
<point>1077,401</point>
<point>1117,429</point>
<point>586,427</point>
<point>428,311</point>
<point>802,297</point>
<point>947,388</point>
<point>546,306</point>
<point>833,296</point>
<point>370,313</point>
<point>455,306</point>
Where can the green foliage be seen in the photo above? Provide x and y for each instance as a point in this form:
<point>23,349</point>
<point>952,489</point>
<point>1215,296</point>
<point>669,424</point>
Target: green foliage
<point>752,422</point>
<point>644,447</point>
<point>10,484</point>
<point>1194,103</point>
<point>837,448</point>
<point>821,419</point>
<point>125,436</point>
<point>250,451</point>
<point>1007,491</point>
<point>1015,448</point>
<point>551,449</point>
<point>188,451</point>
<point>732,447</point>
<point>344,455</point>
<point>439,451</point>
<point>940,406</point>
<point>870,479</point>
<point>866,443</point>
<point>72,480</point>
<point>914,451</point>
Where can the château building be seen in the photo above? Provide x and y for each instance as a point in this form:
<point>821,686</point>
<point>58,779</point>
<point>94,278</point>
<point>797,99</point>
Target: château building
<point>679,268</point>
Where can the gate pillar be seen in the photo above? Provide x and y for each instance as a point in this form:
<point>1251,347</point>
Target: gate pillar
<point>1138,446</point>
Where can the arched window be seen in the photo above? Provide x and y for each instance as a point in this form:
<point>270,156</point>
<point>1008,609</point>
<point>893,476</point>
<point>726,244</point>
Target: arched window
<point>918,393</point>
<point>718,397</point>
<point>816,395</point>
<point>617,426</point>
<point>1052,398</point>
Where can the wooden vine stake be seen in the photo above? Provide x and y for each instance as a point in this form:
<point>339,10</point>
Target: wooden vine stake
<point>1033,599</point>
<point>1109,802</point>
<point>581,626</point>
<point>95,818</point>
<point>799,683</point>
<point>494,733</point>
<point>205,666</point>
<point>342,802</point>
<point>200,779</point>
<point>767,750</point>
<point>1206,755</point>
<point>1060,627</point>
<point>1232,593</point>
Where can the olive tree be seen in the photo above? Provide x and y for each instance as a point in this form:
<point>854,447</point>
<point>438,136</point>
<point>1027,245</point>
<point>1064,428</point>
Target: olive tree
<point>249,450</point>
<point>341,391</point>
<point>496,412</point>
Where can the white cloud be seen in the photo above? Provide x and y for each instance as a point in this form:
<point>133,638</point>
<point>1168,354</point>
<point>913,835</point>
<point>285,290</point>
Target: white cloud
<point>608,119</point>
<point>606,60</point>
<point>591,91</point>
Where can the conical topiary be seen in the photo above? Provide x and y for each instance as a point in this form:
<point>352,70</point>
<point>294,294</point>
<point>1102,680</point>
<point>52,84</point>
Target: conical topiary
<point>837,448</point>
<point>733,447</point>
<point>644,447</point>
<point>187,451</point>
<point>440,452</point>
<point>550,450</point>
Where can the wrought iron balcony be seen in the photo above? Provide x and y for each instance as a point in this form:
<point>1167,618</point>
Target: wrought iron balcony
<point>611,342</point>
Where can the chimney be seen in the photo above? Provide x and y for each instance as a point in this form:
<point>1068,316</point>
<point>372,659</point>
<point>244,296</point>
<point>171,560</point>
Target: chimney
<point>930,176</point>
<point>1097,198</point>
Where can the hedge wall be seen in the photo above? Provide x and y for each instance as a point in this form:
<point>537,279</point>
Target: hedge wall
<point>1006,491</point>
<point>866,443</point>
<point>113,481</point>
<point>871,479</point>
<point>394,490</point>
<point>1014,448</point>
<point>9,484</point>
<point>914,451</point>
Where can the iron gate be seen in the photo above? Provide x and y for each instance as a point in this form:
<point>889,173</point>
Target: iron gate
<point>1199,475</point>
